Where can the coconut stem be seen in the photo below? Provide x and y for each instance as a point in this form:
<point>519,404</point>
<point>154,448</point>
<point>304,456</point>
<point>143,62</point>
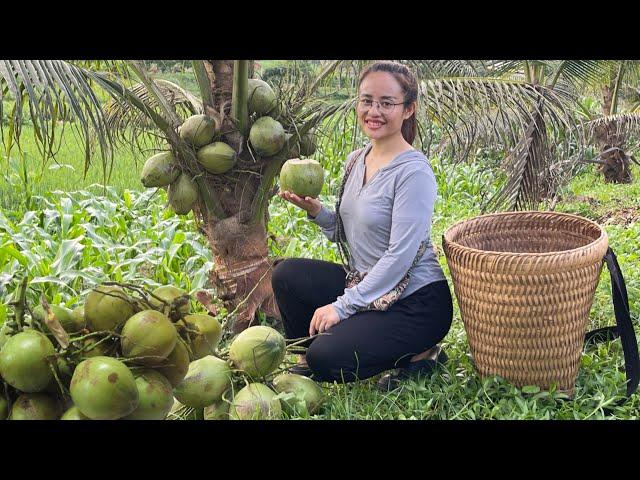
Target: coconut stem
<point>21,302</point>
<point>63,389</point>
<point>239,96</point>
<point>199,413</point>
<point>203,83</point>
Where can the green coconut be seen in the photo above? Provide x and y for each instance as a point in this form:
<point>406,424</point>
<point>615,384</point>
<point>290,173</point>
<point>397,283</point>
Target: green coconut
<point>155,396</point>
<point>63,315</point>
<point>35,406</point>
<point>169,294</point>
<point>148,334</point>
<point>308,144</point>
<point>256,401</point>
<point>4,408</point>
<point>207,379</point>
<point>217,157</point>
<point>74,413</point>
<point>107,307</point>
<point>217,411</point>
<point>294,148</point>
<point>5,334</point>
<point>78,318</point>
<point>262,98</point>
<point>159,170</point>
<point>302,177</point>
<point>23,361</point>
<point>209,332</point>
<point>183,194</point>
<point>305,391</point>
<point>93,347</point>
<point>176,366</point>
<point>103,388</point>
<point>258,351</point>
<point>198,130</point>
<point>267,136</point>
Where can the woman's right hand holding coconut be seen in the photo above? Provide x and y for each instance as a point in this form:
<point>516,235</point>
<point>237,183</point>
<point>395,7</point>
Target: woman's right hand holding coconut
<point>311,205</point>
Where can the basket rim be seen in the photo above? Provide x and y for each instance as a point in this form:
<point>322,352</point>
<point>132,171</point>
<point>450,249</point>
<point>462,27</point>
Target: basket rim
<point>603,235</point>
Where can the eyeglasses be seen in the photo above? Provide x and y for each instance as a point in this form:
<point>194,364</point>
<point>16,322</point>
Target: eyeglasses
<point>384,106</point>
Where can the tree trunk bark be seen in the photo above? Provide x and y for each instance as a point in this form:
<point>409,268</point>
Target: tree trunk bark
<point>242,271</point>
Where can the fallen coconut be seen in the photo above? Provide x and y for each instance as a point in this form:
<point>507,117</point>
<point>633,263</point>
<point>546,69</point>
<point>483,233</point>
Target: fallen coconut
<point>63,315</point>
<point>169,294</point>
<point>262,98</point>
<point>106,307</point>
<point>302,177</point>
<point>148,334</point>
<point>256,401</point>
<point>35,406</point>
<point>176,366</point>
<point>267,136</point>
<point>24,361</point>
<point>258,351</point>
<point>218,410</point>
<point>74,413</point>
<point>217,157</point>
<point>198,130</point>
<point>159,170</point>
<point>209,331</point>
<point>95,347</point>
<point>103,388</point>
<point>78,318</point>
<point>207,379</point>
<point>306,391</point>
<point>183,194</point>
<point>155,396</point>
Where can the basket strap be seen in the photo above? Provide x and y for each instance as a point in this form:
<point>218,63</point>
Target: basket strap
<point>623,328</point>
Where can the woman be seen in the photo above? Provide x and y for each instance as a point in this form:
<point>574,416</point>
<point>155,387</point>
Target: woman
<point>385,211</point>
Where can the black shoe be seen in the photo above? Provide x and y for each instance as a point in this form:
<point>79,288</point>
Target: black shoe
<point>394,379</point>
<point>300,369</point>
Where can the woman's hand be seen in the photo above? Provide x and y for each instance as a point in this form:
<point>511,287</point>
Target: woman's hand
<point>311,205</point>
<point>323,319</point>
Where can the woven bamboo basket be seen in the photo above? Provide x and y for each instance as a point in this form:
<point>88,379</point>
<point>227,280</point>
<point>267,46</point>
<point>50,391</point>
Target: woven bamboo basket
<point>525,283</point>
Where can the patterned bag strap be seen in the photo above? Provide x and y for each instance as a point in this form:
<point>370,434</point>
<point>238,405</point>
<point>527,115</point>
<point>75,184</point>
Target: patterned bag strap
<point>342,247</point>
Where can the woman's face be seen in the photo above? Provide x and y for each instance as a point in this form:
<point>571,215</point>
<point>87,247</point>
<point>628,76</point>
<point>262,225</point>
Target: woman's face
<point>376,121</point>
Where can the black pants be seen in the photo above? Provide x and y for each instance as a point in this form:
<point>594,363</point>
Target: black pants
<point>366,343</point>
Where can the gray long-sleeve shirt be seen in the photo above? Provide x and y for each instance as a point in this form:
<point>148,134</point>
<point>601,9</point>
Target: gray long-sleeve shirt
<point>384,223</point>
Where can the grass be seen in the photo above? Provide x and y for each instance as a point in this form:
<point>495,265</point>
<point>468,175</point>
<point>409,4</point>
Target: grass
<point>75,233</point>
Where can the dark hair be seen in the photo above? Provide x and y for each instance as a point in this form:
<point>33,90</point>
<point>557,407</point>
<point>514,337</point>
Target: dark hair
<point>409,84</point>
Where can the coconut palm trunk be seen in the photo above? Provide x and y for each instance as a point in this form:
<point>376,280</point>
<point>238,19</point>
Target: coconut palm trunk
<point>236,229</point>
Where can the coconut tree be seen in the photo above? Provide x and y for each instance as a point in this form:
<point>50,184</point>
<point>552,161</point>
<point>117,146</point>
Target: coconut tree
<point>232,208</point>
<point>465,105</point>
<point>611,129</point>
<point>524,108</point>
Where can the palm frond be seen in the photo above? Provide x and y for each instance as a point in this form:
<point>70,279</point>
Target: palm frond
<point>426,69</point>
<point>585,73</point>
<point>129,123</point>
<point>494,110</point>
<point>55,90</point>
<point>621,124</point>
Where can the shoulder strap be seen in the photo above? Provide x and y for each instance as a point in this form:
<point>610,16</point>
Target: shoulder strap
<point>351,163</point>
<point>623,328</point>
